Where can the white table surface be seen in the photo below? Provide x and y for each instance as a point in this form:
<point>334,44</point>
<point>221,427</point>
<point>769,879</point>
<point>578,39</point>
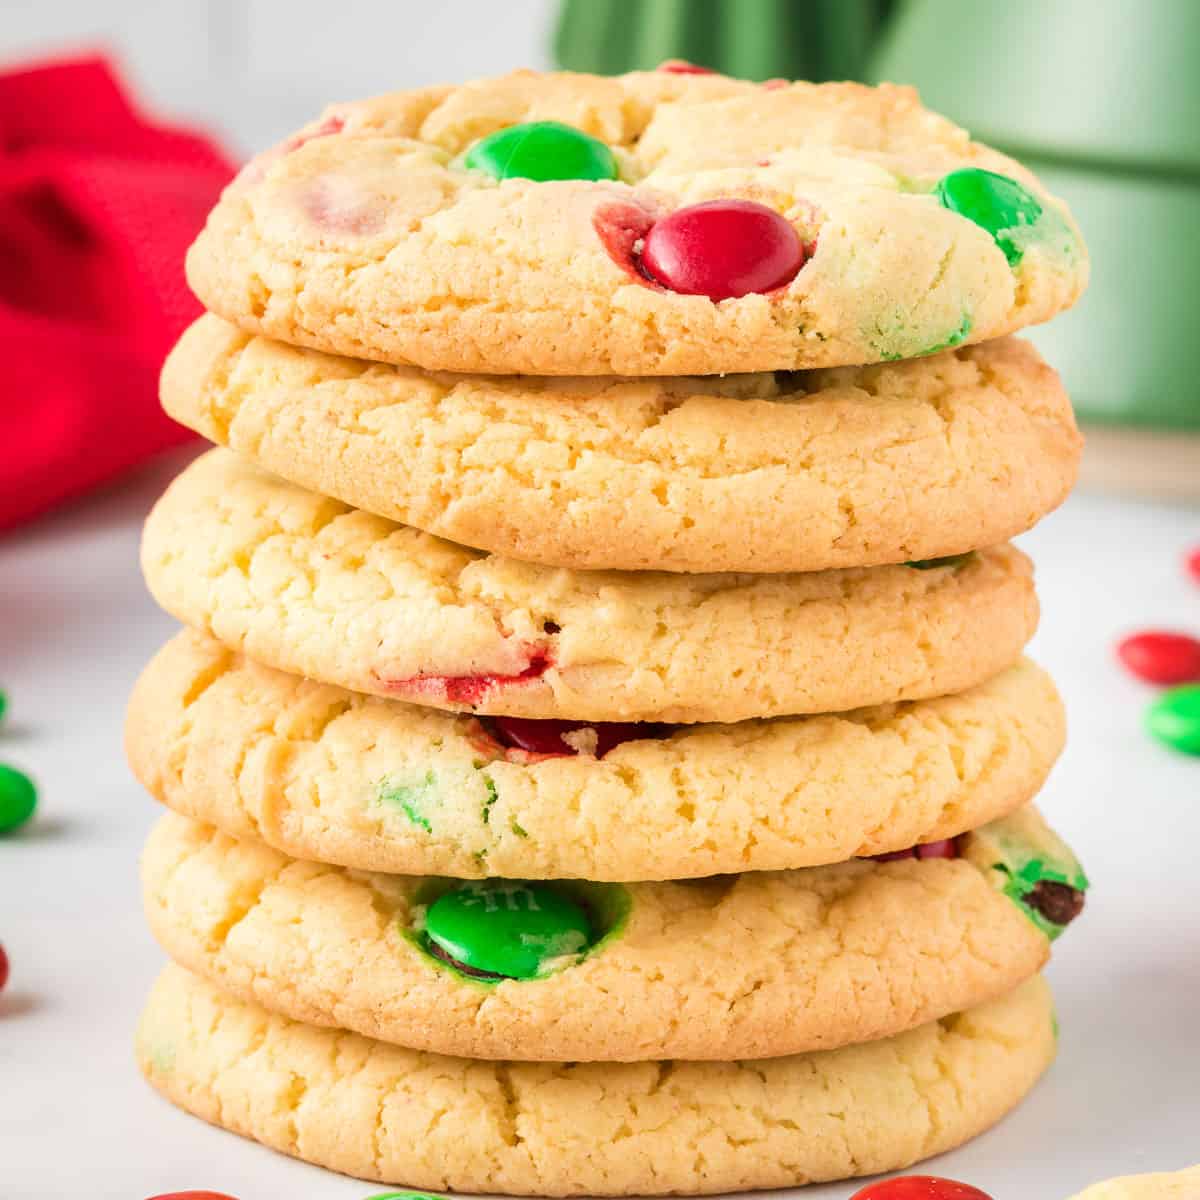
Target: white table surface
<point>76,1120</point>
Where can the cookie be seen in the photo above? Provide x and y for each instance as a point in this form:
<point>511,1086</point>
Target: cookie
<point>421,1120</point>
<point>325,774</point>
<point>649,224</point>
<point>311,586</point>
<point>1181,1185</point>
<point>735,966</point>
<point>755,473</point>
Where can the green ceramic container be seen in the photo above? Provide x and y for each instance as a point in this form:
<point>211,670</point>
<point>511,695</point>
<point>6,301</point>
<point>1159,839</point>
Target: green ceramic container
<point>752,39</point>
<point>1104,104</point>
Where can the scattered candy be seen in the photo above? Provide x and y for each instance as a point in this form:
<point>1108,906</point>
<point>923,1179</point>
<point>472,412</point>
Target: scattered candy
<point>1159,656</point>
<point>547,737</point>
<point>920,1187</point>
<point>994,202</point>
<point>541,151</point>
<point>3,705</point>
<point>1174,718</point>
<point>1192,564</point>
<point>3,968</point>
<point>193,1196</point>
<point>504,930</point>
<point>404,1196</point>
<point>680,66</point>
<point>18,798</point>
<point>723,249</point>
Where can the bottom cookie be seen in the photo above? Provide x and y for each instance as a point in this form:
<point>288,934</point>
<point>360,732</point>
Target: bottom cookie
<point>423,1120</point>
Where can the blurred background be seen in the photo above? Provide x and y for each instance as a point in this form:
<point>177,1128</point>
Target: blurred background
<point>1099,98</point>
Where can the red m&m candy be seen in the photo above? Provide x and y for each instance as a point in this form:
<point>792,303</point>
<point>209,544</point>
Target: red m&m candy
<point>546,737</point>
<point>193,1196</point>
<point>1160,656</point>
<point>3,968</point>
<point>920,1187</point>
<point>723,249</point>
<point>1192,564</point>
<point>680,66</point>
<point>946,848</point>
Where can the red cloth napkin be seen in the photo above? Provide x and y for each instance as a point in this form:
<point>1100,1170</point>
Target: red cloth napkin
<point>97,207</point>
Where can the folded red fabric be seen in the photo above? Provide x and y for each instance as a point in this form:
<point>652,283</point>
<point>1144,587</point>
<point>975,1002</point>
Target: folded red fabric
<point>97,207</point>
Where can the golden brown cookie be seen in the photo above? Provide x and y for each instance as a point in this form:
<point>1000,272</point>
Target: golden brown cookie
<point>305,584</point>
<point>735,966</point>
<point>855,227</point>
<point>602,1129</point>
<point>325,774</point>
<point>838,468</point>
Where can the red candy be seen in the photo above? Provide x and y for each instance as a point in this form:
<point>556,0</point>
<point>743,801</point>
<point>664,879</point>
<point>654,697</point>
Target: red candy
<point>1192,564</point>
<point>1159,656</point>
<point>546,737</point>
<point>946,848</point>
<point>468,689</point>
<point>193,1196</point>
<point>3,968</point>
<point>722,249</point>
<point>920,1187</point>
<point>680,66</point>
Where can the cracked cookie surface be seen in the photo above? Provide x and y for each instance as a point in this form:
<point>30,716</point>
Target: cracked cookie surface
<point>311,586</point>
<point>330,775</point>
<point>604,1129</point>
<point>368,234</point>
<point>761,473</point>
<point>754,965</point>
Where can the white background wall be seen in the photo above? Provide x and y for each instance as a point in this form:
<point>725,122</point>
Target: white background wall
<point>253,70</point>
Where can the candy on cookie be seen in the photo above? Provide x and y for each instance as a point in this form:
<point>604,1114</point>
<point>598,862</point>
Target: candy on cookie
<point>1033,866</point>
<point>654,223</point>
<point>733,966</point>
<point>326,774</point>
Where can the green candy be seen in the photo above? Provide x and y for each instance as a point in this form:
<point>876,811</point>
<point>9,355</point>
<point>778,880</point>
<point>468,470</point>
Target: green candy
<point>515,930</point>
<point>541,151</point>
<point>994,202</point>
<point>405,1196</point>
<point>1174,718</point>
<point>951,560</point>
<point>3,705</point>
<point>1032,866</point>
<point>415,797</point>
<point>18,798</point>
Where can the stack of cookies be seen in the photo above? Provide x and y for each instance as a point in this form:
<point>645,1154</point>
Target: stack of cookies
<point>601,752</point>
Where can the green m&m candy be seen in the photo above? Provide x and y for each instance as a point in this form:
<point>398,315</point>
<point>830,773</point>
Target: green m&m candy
<point>541,151</point>
<point>996,203</point>
<point>18,798</point>
<point>1174,718</point>
<point>405,1196</point>
<point>505,929</point>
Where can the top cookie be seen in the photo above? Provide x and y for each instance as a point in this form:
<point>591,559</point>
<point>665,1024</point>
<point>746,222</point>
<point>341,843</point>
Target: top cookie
<point>843,225</point>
